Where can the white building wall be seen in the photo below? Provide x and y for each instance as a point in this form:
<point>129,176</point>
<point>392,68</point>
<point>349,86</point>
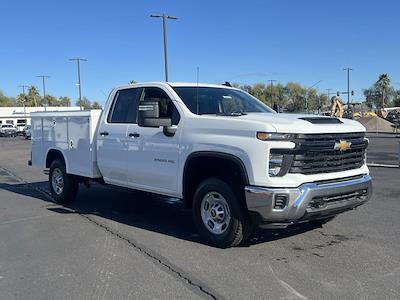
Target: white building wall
<point>11,115</point>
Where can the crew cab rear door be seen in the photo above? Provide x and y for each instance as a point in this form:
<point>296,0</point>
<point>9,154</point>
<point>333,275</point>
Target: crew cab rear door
<point>112,139</point>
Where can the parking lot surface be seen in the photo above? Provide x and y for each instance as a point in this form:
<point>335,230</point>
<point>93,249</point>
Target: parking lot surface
<point>118,244</point>
<point>384,149</point>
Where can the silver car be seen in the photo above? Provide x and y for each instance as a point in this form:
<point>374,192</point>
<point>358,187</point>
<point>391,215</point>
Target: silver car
<point>8,130</point>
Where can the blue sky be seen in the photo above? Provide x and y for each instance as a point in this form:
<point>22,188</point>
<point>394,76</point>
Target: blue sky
<point>239,41</point>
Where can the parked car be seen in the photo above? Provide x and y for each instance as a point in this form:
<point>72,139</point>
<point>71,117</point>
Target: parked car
<point>8,130</point>
<point>28,132</point>
<point>233,160</point>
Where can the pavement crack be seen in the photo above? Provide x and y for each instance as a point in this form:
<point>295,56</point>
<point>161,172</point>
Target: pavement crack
<point>195,284</point>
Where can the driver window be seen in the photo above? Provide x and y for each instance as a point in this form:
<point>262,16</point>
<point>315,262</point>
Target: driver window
<point>166,106</point>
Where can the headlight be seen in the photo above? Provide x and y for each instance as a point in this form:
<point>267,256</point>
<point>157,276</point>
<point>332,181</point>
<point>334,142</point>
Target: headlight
<point>275,164</point>
<point>267,136</point>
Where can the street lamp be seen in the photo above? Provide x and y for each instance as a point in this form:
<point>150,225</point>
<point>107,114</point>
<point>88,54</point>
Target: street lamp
<point>44,89</point>
<point>164,18</point>
<point>78,60</point>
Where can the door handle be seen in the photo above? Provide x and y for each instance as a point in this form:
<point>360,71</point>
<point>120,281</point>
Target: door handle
<point>135,135</point>
<point>104,133</point>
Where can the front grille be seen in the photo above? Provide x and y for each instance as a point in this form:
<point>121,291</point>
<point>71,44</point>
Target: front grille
<point>320,202</point>
<point>315,153</point>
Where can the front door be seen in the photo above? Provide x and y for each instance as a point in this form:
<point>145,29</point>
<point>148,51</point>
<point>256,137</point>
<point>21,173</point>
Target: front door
<point>154,154</point>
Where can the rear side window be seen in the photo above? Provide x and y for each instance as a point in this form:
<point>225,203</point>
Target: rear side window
<point>124,108</point>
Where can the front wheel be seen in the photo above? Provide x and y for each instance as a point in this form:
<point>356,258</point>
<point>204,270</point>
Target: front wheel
<point>63,187</point>
<point>219,214</point>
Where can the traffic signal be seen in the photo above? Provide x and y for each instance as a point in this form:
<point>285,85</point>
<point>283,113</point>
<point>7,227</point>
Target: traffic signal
<point>352,93</point>
<point>337,94</point>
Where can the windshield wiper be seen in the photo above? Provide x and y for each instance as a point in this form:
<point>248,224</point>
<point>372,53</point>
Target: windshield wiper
<point>232,114</point>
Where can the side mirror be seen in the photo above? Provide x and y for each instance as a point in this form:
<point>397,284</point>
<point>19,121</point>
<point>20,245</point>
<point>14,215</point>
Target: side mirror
<point>149,115</point>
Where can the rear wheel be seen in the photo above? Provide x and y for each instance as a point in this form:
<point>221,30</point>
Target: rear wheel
<point>219,214</point>
<point>63,187</point>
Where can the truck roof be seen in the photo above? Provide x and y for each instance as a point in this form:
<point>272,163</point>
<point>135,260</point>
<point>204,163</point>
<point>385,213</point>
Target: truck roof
<point>176,84</point>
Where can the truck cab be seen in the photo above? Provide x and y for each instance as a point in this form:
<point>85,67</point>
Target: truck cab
<point>233,160</point>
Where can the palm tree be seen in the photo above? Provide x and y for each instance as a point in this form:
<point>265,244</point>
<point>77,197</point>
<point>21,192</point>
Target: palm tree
<point>383,84</point>
<point>33,93</point>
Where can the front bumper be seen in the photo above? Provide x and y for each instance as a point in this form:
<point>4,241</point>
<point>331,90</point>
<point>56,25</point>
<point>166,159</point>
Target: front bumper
<point>309,201</point>
<point>8,133</point>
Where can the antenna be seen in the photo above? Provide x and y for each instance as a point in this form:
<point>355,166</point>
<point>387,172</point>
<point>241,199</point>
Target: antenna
<point>197,91</point>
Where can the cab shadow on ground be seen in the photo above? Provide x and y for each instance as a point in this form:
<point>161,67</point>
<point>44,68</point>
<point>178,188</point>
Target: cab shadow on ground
<point>142,210</point>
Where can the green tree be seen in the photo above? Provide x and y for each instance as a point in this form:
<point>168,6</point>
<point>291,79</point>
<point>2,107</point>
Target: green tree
<point>64,101</point>
<point>96,105</point>
<point>381,94</point>
<point>32,96</point>
<point>85,103</point>
<point>6,101</point>
<point>383,84</point>
<point>49,101</point>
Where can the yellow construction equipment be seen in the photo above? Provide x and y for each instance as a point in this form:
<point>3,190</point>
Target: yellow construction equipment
<point>337,107</point>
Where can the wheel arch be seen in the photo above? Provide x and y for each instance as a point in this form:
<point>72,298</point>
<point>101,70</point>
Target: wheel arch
<point>53,154</point>
<point>197,168</point>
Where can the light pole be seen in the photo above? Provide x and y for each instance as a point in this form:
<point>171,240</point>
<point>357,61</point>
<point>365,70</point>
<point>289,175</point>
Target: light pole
<point>44,89</point>
<point>23,86</point>
<point>271,81</point>
<point>78,60</point>
<point>307,93</point>
<point>164,18</point>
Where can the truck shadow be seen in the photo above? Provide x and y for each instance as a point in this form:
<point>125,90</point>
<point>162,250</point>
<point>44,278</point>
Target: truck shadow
<point>141,210</point>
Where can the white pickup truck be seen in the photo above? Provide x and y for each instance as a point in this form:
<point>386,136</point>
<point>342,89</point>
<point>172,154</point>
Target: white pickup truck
<point>234,161</point>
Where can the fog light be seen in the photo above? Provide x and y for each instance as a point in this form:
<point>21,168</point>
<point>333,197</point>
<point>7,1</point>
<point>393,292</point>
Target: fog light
<point>275,164</point>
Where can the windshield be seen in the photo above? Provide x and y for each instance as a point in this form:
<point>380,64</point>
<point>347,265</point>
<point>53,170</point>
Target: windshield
<point>220,101</point>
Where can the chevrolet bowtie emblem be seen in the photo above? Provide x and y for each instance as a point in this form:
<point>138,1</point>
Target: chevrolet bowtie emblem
<point>342,145</point>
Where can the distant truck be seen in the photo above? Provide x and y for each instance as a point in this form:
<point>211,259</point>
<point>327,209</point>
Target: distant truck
<point>234,161</point>
<point>8,130</point>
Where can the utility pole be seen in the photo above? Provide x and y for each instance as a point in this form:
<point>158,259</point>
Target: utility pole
<point>307,93</point>
<point>78,60</point>
<point>271,81</point>
<point>164,19</point>
<point>44,89</point>
<point>348,84</point>
<point>23,86</point>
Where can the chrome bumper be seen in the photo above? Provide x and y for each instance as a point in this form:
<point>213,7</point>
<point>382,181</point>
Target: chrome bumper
<point>307,202</point>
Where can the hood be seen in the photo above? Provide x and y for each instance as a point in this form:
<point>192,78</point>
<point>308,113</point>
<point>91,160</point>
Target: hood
<point>304,123</point>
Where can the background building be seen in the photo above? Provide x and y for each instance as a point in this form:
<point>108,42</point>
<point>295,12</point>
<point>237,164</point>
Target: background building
<point>18,116</point>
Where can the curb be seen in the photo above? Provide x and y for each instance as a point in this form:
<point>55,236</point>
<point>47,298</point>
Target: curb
<point>382,165</point>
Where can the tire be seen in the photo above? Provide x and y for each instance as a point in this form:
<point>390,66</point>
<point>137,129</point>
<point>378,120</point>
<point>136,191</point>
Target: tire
<point>63,187</point>
<point>220,215</point>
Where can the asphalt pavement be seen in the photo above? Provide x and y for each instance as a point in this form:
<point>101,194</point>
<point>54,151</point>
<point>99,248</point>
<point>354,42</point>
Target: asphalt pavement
<point>119,244</point>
